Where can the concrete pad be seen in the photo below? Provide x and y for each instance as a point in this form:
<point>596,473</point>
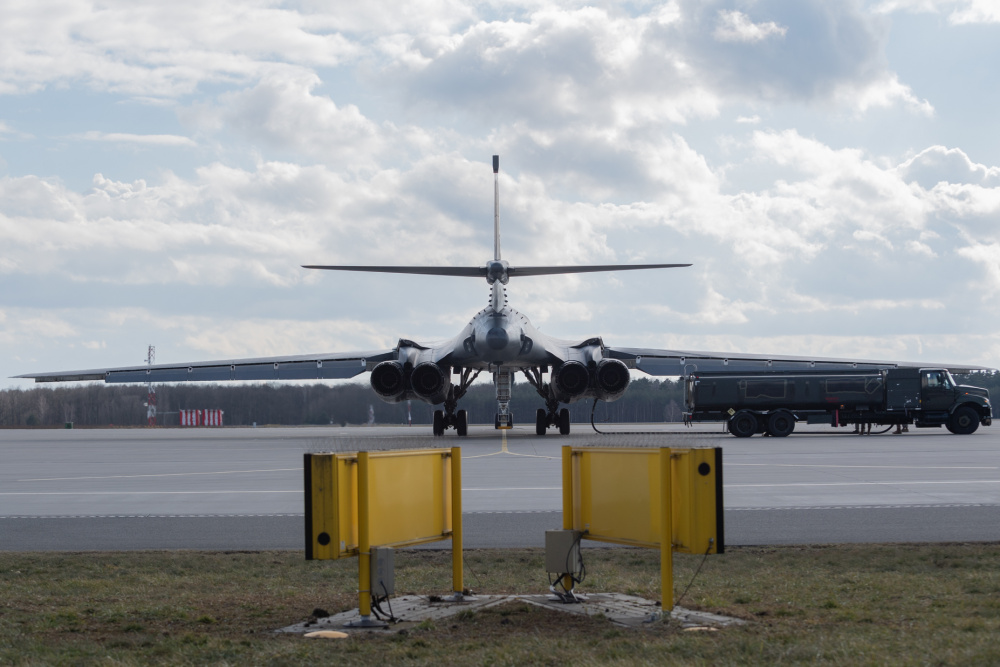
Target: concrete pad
<point>622,610</point>
<point>410,610</point>
<point>629,610</point>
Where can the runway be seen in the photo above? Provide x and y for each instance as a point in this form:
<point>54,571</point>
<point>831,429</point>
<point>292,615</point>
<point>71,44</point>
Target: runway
<point>242,488</point>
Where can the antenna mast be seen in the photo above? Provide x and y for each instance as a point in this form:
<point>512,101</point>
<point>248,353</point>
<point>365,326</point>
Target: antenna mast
<point>496,207</point>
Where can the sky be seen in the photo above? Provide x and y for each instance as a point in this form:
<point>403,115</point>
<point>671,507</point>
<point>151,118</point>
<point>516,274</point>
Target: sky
<point>831,170</point>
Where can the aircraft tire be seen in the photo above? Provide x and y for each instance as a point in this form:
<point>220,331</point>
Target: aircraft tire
<point>438,422</point>
<point>780,423</point>
<point>743,424</point>
<point>541,421</point>
<point>564,422</point>
<point>462,423</point>
<point>963,421</point>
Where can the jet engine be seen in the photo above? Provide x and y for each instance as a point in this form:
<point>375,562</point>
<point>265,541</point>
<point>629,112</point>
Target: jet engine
<point>389,381</point>
<point>430,382</point>
<point>611,380</point>
<point>570,380</point>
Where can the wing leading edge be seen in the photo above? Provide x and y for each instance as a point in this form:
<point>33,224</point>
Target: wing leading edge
<point>684,362</point>
<point>335,366</point>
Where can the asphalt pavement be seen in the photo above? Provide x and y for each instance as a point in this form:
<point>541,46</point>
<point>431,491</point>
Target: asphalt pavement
<point>241,488</point>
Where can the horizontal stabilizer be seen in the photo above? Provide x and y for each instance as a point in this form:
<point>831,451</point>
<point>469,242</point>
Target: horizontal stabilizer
<point>465,271</point>
<point>552,270</point>
<point>480,271</point>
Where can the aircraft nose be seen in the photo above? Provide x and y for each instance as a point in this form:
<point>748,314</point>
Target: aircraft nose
<point>497,338</point>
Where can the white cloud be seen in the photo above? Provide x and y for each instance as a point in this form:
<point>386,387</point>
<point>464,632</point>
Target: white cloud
<point>735,26</point>
<point>938,164</point>
<point>883,92</point>
<point>159,50</point>
<point>988,256</point>
<point>959,11</point>
<point>975,11</point>
<point>283,112</point>
<point>363,134</point>
<point>144,139</point>
<point>6,131</point>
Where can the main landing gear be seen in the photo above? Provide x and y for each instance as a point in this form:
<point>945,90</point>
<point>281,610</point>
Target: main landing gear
<point>545,418</point>
<point>459,420</point>
<point>550,415</point>
<point>450,417</point>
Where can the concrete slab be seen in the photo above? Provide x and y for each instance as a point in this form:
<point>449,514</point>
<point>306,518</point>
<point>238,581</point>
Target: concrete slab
<point>629,610</point>
<point>622,610</point>
<point>409,610</point>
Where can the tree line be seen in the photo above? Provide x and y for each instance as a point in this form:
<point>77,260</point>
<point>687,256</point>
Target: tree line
<point>97,404</point>
<point>101,404</point>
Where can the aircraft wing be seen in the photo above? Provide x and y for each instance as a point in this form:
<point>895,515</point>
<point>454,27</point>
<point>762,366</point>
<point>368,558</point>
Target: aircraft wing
<point>333,366</point>
<point>686,362</point>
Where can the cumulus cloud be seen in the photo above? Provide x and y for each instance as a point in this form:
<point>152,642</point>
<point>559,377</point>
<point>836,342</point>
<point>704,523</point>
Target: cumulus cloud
<point>147,139</point>
<point>363,135</point>
<point>283,112</point>
<point>959,11</point>
<point>588,66</point>
<point>882,92</point>
<point>735,26</point>
<point>158,50</point>
<point>938,164</point>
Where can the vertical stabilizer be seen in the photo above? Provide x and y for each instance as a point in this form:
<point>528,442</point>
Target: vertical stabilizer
<point>496,207</point>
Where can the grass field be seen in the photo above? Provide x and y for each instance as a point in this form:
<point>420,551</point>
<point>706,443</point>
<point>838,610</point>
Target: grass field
<point>878,605</point>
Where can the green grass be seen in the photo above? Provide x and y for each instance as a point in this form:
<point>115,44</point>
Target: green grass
<point>898,604</point>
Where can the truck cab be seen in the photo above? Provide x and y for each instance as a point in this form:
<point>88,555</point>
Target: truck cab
<point>960,408</point>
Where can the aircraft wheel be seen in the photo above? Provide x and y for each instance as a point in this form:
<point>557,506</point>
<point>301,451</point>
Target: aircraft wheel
<point>438,422</point>
<point>564,422</point>
<point>743,424</point>
<point>963,421</point>
<point>780,424</point>
<point>462,422</point>
<point>541,421</point>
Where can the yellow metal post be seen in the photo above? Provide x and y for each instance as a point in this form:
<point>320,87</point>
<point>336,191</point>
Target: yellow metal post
<point>567,487</point>
<point>666,532</point>
<point>364,540</point>
<point>456,521</point>
<point>567,498</point>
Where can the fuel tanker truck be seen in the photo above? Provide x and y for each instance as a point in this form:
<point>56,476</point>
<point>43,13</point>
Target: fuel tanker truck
<point>772,403</point>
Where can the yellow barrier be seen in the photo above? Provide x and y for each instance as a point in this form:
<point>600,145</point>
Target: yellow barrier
<point>331,482</point>
<point>637,496</point>
<point>357,501</point>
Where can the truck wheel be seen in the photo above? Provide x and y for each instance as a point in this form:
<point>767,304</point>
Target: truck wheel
<point>963,421</point>
<point>743,424</point>
<point>780,424</point>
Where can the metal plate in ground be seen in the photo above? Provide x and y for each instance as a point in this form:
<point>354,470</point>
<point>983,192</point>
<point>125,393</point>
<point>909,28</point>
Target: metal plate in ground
<point>629,610</point>
<point>624,610</point>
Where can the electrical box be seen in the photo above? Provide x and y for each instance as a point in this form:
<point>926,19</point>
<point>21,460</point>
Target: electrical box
<point>562,551</point>
<point>383,581</point>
